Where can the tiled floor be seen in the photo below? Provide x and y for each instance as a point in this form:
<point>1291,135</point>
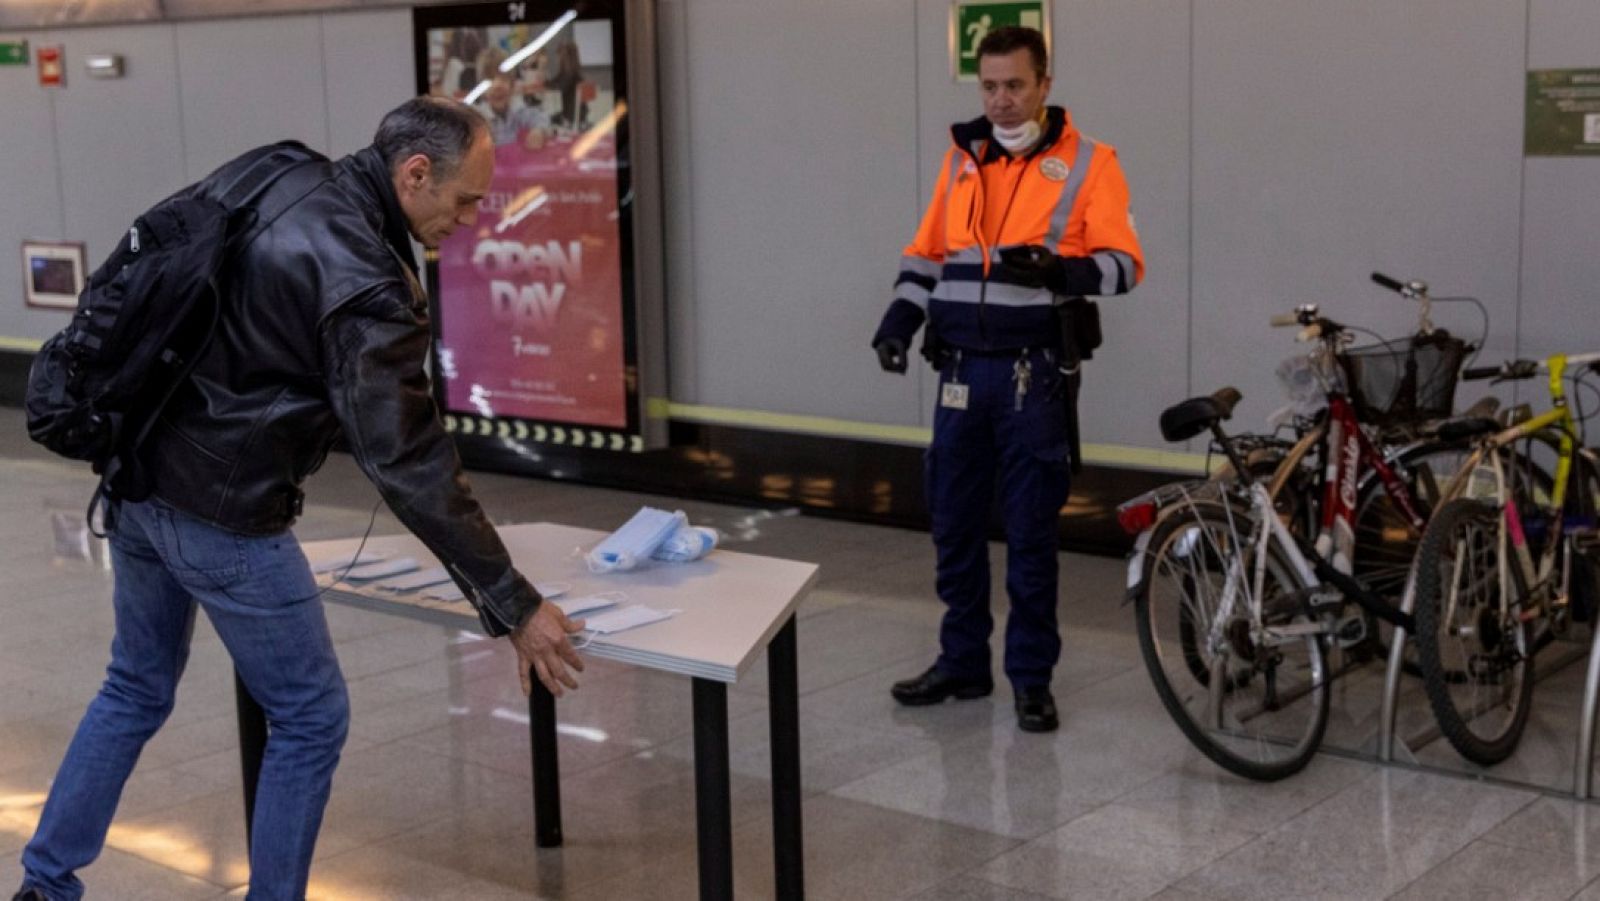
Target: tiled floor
<point>952,802</point>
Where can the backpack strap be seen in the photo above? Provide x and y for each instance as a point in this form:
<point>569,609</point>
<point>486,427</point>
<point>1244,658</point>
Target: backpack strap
<point>298,181</point>
<point>270,164</point>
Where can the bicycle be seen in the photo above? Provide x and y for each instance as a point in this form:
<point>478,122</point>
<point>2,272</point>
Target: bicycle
<point>1399,390</point>
<point>1237,611</point>
<point>1501,563</point>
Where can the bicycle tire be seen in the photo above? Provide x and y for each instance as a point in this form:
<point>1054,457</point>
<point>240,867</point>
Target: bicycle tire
<point>1264,730</point>
<point>1386,542</point>
<point>1473,639</point>
<point>1583,513</point>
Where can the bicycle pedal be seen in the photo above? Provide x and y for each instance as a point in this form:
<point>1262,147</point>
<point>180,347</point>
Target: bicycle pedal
<point>1329,597</point>
<point>1351,631</point>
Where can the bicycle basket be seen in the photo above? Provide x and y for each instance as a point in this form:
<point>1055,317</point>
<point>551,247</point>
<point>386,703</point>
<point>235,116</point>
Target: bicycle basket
<point>1406,381</point>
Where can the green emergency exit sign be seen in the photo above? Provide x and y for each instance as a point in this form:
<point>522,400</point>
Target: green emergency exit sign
<point>13,53</point>
<point>972,20</point>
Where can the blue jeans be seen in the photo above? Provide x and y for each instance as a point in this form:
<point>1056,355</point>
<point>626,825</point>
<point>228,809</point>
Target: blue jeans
<point>263,602</point>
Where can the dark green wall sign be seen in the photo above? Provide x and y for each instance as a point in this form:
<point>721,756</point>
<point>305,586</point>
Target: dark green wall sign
<point>970,20</point>
<point>13,53</point>
<point>1563,113</point>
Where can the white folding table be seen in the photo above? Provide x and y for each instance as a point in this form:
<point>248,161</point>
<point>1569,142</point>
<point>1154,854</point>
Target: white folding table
<point>731,605</point>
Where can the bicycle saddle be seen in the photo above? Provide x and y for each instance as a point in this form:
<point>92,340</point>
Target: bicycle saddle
<point>1183,421</point>
<point>1466,427</point>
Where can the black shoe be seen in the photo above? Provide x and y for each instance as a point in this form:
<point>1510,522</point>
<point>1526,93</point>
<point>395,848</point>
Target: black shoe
<point>933,686</point>
<point>29,894</point>
<point>1036,710</point>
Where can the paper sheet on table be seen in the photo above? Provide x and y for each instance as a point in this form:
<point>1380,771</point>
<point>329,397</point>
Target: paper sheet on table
<point>576,606</point>
<point>381,569</point>
<point>445,593</point>
<point>340,562</point>
<point>412,581</point>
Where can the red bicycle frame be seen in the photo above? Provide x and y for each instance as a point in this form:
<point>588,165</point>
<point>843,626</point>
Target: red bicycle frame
<point>1348,450</point>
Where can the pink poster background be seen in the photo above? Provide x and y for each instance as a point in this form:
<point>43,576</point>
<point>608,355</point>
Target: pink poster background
<point>530,298</point>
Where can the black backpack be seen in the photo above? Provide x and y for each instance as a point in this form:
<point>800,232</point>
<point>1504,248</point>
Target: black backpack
<point>145,317</point>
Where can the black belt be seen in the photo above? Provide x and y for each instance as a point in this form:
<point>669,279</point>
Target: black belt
<point>1008,352</point>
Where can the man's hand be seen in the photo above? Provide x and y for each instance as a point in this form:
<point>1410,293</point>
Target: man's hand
<point>891,354</point>
<point>1030,265</point>
<point>543,649</point>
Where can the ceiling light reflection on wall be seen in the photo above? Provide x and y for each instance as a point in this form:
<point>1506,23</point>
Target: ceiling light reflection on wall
<point>533,46</point>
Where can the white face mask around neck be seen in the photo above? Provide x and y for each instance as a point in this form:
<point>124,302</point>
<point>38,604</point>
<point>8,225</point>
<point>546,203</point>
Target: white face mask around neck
<point>1019,139</point>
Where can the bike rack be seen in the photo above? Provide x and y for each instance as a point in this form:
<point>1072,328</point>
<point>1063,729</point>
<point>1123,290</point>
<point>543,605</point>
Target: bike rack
<point>1583,782</point>
<point>1391,679</point>
<point>1388,743</point>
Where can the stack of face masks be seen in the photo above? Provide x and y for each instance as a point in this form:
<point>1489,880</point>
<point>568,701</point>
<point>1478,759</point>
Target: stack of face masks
<point>651,533</point>
<point>687,543</point>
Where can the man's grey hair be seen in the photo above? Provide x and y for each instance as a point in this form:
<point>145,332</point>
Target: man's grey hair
<point>437,127</point>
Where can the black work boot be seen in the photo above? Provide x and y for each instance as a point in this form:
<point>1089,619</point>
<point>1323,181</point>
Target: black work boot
<point>29,894</point>
<point>1036,710</point>
<point>933,687</point>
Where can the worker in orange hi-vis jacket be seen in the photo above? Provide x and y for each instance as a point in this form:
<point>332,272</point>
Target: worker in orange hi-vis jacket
<point>1028,215</point>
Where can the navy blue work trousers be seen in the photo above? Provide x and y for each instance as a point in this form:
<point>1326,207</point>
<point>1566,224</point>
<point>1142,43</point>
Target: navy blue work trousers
<point>1022,450</point>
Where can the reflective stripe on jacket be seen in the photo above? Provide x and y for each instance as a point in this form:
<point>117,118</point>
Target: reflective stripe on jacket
<point>1068,194</point>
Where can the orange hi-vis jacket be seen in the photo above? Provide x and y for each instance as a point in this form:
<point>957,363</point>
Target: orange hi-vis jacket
<point>1067,194</point>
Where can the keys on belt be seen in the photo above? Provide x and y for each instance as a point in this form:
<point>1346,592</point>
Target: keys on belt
<point>1022,374</point>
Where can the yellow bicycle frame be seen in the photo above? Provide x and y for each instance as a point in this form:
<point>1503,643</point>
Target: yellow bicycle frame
<point>1556,426</point>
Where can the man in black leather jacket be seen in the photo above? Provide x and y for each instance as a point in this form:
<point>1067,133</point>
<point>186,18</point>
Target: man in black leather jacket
<point>323,332</point>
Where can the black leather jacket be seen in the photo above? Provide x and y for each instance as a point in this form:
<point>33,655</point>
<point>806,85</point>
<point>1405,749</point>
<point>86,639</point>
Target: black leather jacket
<point>324,328</point>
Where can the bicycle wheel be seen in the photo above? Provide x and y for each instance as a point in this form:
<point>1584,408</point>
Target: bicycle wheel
<point>1386,541</point>
<point>1582,547</point>
<point>1257,704</point>
<point>1475,650</point>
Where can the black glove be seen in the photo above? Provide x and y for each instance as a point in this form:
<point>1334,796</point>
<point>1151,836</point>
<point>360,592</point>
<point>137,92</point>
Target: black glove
<point>1030,265</point>
<point>891,354</point>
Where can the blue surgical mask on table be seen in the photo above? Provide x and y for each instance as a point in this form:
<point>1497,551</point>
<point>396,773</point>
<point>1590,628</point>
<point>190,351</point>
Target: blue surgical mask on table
<point>638,538</point>
<point>686,544</point>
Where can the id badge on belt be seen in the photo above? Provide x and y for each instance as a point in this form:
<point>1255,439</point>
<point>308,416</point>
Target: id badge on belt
<point>953,395</point>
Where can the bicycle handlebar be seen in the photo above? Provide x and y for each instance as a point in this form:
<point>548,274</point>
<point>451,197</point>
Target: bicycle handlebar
<point>1393,284</point>
<point>1517,370</point>
<point>1509,371</point>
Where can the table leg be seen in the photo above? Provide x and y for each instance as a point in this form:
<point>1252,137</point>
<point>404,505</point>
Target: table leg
<point>546,770</point>
<point>783,698</point>
<point>252,747</point>
<point>713,811</point>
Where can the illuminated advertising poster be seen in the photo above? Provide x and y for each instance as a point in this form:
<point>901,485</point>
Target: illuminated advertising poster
<point>533,304</point>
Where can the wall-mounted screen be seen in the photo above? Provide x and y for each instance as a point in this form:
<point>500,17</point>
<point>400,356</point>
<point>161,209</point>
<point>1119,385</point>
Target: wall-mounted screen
<point>538,306</point>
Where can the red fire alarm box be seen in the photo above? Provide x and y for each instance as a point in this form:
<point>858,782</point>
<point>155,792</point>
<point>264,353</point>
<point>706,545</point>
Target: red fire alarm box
<point>51,67</point>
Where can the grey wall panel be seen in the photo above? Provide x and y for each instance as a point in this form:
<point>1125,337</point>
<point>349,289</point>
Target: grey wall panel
<point>1561,261</point>
<point>1336,138</point>
<point>29,182</point>
<point>1328,140</point>
<point>677,134</point>
<point>1563,34</point>
<point>367,58</point>
<point>1561,202</point>
<point>249,83</point>
<point>800,201</point>
<point>1122,68</point>
<point>121,146</point>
